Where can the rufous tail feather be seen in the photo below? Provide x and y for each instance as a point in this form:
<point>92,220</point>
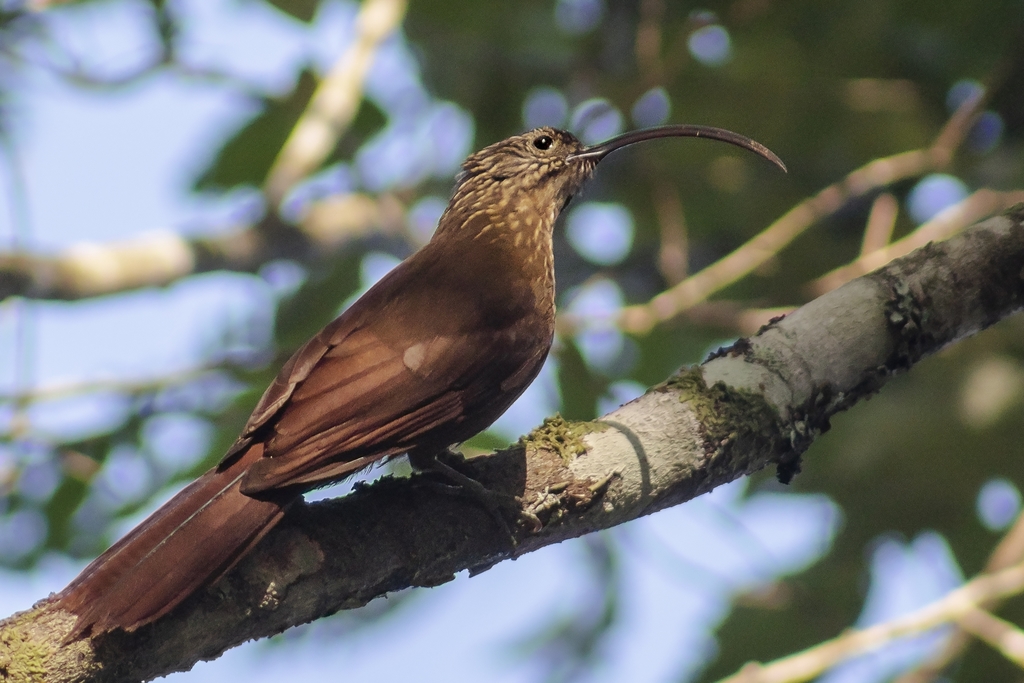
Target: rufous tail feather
<point>191,541</point>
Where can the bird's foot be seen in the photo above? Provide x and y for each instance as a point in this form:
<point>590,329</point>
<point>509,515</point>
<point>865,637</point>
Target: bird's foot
<point>496,503</point>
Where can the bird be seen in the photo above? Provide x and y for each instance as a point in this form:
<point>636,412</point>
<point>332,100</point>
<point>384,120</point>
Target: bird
<point>429,356</point>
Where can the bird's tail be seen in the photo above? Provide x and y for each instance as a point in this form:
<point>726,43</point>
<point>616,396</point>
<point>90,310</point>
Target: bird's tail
<point>191,541</point>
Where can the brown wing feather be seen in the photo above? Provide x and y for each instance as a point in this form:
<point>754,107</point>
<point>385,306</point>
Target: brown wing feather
<point>294,371</point>
<point>374,403</point>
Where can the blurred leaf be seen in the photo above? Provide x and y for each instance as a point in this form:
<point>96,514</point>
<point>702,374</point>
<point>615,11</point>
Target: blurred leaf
<point>60,509</point>
<point>80,461</point>
<point>486,56</point>
<point>318,300</point>
<point>487,441</point>
<point>300,9</point>
<point>665,349</point>
<point>579,387</point>
<point>369,120</point>
<point>246,158</point>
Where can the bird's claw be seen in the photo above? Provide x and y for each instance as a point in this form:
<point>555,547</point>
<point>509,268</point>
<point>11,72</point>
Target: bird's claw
<point>498,504</point>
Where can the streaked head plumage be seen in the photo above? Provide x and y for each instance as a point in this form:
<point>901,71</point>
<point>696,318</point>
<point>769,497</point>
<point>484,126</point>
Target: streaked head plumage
<point>524,162</point>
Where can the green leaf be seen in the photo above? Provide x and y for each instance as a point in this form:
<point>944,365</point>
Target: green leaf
<point>487,441</point>
<point>368,121</point>
<point>317,301</point>
<point>667,348</point>
<point>580,388</point>
<point>304,10</point>
<point>246,158</point>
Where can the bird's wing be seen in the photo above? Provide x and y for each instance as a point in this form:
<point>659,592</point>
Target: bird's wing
<point>365,399</point>
<point>392,372</point>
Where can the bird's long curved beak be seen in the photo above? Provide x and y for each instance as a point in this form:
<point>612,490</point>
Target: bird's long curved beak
<point>598,152</point>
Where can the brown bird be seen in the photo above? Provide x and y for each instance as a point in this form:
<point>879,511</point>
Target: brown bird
<point>429,356</point>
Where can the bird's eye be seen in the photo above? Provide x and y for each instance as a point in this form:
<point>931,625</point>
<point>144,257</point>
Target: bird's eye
<point>543,142</point>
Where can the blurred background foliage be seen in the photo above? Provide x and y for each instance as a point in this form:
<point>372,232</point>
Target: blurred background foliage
<point>914,487</point>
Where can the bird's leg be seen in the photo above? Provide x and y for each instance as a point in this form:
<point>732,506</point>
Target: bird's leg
<point>493,501</point>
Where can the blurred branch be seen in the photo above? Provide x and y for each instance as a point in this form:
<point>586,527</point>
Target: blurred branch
<point>40,5</point>
<point>734,316</point>
<point>198,385</point>
<point>1010,551</point>
<point>814,661</point>
<point>59,59</point>
<point>56,392</point>
<point>764,400</point>
<point>673,252</point>
<point>78,76</point>
<point>648,42</point>
<point>881,222</point>
<point>161,258</point>
<point>23,316</point>
<point>335,102</point>
<point>1003,636</point>
<point>948,222</point>
<point>640,318</point>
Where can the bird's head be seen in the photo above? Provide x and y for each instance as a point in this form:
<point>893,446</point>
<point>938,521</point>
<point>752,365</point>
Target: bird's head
<point>534,164</point>
<point>539,171</point>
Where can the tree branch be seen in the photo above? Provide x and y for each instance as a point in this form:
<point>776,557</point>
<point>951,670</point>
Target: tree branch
<point>763,400</point>
<point>1010,551</point>
<point>960,604</point>
<point>335,102</point>
<point>1003,636</point>
<point>161,258</point>
<point>946,223</point>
